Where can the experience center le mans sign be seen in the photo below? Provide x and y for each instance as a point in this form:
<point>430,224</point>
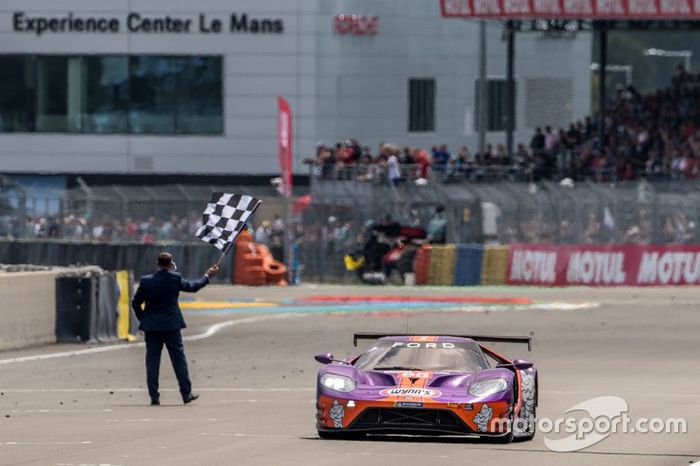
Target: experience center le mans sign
<point>572,9</point>
<point>140,23</point>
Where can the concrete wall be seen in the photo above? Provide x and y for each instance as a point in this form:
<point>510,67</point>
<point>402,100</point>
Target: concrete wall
<point>28,309</point>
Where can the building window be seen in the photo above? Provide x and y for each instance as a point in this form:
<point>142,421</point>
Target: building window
<point>496,104</point>
<point>135,94</point>
<point>421,105</point>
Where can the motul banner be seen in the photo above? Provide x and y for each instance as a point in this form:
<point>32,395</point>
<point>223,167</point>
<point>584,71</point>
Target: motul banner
<point>572,9</point>
<point>614,265</point>
<point>284,145</point>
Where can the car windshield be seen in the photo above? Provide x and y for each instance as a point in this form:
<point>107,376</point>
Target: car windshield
<point>463,356</point>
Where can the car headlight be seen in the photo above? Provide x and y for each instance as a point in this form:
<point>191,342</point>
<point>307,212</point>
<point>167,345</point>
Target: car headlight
<point>337,382</point>
<point>488,387</point>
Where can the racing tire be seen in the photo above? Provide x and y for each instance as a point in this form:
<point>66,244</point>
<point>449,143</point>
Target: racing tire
<point>505,439</point>
<point>529,434</point>
<point>508,437</point>
<point>333,435</point>
<point>532,431</point>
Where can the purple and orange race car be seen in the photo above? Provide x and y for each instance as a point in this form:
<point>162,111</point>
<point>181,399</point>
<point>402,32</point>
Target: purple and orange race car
<point>427,385</point>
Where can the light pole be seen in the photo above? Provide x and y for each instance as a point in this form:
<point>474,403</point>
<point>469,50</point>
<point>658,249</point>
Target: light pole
<point>686,54</point>
<point>627,69</point>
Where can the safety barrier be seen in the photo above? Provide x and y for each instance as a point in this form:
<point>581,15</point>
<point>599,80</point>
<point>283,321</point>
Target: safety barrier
<point>421,265</point>
<point>46,306</point>
<point>461,265</point>
<point>442,265</point>
<point>127,324</point>
<point>468,265</point>
<point>609,265</point>
<point>494,265</point>
<point>85,307</point>
<point>558,265</point>
<point>254,265</point>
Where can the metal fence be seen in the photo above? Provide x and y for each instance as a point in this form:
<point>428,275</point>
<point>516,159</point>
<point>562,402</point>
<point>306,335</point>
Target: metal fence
<point>500,213</point>
<point>333,219</point>
<point>116,213</point>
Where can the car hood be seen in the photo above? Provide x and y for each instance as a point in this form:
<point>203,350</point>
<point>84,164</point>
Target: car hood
<point>438,386</point>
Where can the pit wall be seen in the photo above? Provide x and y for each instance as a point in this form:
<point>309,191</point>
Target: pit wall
<point>28,309</point>
<point>41,307</point>
<point>559,265</point>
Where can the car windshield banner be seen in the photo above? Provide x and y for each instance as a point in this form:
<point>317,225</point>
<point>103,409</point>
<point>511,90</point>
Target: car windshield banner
<point>611,265</point>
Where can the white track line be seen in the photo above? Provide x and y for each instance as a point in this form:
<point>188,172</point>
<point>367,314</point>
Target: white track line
<point>211,331</point>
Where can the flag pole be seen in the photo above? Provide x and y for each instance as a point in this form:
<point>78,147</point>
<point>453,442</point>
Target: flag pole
<point>218,263</point>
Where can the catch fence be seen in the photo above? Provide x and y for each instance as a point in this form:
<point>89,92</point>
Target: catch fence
<point>334,217</point>
<point>566,212</point>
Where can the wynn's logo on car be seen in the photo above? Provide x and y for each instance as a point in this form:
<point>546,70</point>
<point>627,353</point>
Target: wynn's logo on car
<point>417,392</point>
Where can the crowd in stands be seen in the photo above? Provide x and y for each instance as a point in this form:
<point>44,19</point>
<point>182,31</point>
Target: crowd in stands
<point>652,136</point>
<point>655,135</point>
<point>146,230</point>
<point>640,227</point>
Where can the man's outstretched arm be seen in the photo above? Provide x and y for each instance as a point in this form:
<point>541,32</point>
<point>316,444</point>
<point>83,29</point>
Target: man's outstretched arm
<point>196,285</point>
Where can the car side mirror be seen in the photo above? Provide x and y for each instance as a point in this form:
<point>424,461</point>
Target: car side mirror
<point>324,358</point>
<point>522,364</point>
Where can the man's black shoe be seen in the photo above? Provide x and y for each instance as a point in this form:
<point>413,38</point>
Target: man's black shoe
<point>189,398</point>
<point>155,402</point>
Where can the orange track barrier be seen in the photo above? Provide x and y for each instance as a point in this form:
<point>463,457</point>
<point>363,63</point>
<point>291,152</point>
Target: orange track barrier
<point>254,264</point>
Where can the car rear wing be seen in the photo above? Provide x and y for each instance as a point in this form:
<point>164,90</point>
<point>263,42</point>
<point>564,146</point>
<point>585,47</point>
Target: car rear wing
<point>484,338</point>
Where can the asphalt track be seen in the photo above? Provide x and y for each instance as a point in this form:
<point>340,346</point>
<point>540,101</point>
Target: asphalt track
<point>250,354</point>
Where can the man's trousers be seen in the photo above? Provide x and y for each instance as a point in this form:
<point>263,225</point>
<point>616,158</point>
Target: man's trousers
<point>154,347</point>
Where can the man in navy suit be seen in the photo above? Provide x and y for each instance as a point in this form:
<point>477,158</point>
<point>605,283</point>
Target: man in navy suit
<point>162,321</point>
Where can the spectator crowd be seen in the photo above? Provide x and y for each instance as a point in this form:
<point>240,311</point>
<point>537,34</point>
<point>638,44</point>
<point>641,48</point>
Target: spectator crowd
<point>105,228</point>
<point>654,135</point>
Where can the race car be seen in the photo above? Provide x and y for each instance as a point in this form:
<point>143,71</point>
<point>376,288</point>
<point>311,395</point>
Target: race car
<point>427,385</point>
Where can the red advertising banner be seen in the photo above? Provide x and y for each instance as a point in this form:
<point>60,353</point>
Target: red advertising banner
<point>572,9</point>
<point>613,265</point>
<point>284,145</point>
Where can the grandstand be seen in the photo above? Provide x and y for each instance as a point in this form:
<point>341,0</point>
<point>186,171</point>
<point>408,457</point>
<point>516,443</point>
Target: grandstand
<point>655,136</point>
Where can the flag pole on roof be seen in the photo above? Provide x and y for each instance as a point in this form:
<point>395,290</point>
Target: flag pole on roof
<point>224,218</point>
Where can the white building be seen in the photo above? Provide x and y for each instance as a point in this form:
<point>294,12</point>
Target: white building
<point>173,86</point>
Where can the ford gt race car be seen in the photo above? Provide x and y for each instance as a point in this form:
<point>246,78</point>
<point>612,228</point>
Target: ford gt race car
<point>427,385</point>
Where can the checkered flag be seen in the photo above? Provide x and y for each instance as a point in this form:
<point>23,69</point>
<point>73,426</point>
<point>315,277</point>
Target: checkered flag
<point>224,218</point>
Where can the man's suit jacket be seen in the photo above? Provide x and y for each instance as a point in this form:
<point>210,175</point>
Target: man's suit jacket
<point>160,291</point>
